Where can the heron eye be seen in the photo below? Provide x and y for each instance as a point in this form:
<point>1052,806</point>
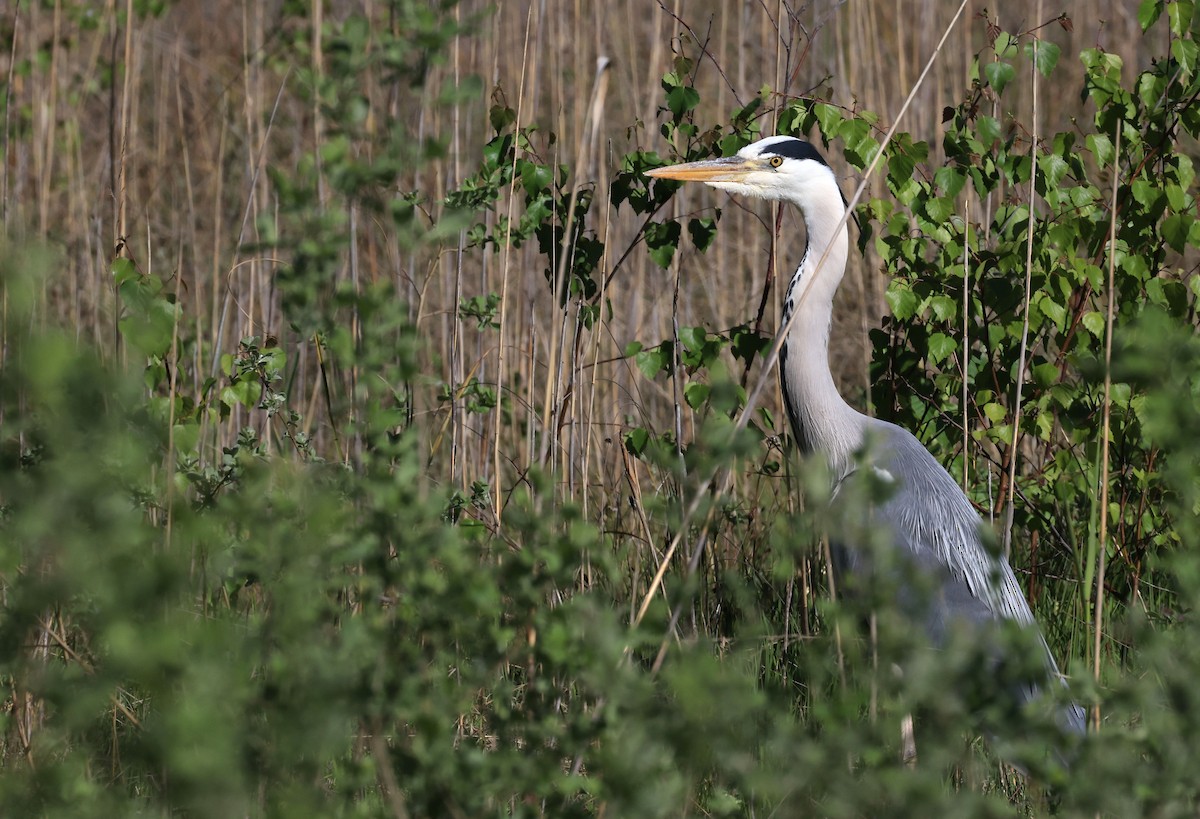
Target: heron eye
<point>776,161</point>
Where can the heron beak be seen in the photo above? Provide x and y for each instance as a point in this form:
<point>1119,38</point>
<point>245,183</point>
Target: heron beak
<point>725,169</point>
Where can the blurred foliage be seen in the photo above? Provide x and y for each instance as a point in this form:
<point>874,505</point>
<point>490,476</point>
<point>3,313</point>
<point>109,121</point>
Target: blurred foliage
<point>255,631</point>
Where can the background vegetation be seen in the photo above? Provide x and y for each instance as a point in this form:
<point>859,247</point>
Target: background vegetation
<point>360,405</point>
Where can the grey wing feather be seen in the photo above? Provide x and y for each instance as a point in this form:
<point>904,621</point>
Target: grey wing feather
<point>933,521</point>
<point>931,514</point>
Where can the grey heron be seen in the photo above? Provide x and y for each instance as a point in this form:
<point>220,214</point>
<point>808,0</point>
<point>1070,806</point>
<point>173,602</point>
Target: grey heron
<point>931,523</point>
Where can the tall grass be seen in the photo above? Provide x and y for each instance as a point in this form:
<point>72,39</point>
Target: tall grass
<point>161,155</point>
<point>170,140</point>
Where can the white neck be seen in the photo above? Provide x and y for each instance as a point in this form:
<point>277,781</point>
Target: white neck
<point>821,419</point>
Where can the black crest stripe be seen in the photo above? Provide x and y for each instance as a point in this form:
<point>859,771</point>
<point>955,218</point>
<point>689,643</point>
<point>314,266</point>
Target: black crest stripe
<point>795,149</point>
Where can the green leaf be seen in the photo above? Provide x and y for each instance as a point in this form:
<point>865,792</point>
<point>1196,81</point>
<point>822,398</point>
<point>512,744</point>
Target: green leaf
<point>1175,229</point>
<point>1185,53</point>
<point>944,308</point>
<point>123,271</point>
<point>938,209</point>
<point>535,178</point>
<point>904,156</point>
<point>941,347</point>
<point>988,129</point>
<point>150,328</point>
<point>1054,311</point>
<point>703,231</point>
<point>245,393</point>
<point>829,119</point>
<point>186,435</point>
<point>1045,374</point>
<point>1082,196</point>
<point>1155,293</point>
<point>1144,192</point>
<point>746,344</point>
<point>636,440</point>
<point>1120,394</point>
<point>661,239</point>
<point>1044,424</point>
<point>696,394</point>
<point>155,373</point>
<point>906,190</point>
<point>861,151</point>
<point>1101,64</point>
<point>1044,54</point>
<point>501,116</point>
<point>949,180</point>
<point>692,337</point>
<point>1184,172</point>
<point>682,99</point>
<point>1101,148</point>
<point>1004,42</point>
<point>1177,198</point>
<point>1148,13</point>
<point>1150,87</point>
<point>767,419</point>
<point>901,299</point>
<point>1054,168</point>
<point>652,361</point>
<point>1093,322</point>
<point>994,412</point>
<point>1179,16</point>
<point>999,74</point>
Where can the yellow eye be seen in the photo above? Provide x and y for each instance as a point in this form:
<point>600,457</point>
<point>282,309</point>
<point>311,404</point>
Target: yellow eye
<point>776,161</point>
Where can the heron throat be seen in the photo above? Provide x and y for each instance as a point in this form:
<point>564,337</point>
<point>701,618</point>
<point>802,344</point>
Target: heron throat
<point>821,419</point>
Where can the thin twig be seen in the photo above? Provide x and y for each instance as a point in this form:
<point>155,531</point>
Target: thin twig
<point>1021,357</point>
<point>1104,429</point>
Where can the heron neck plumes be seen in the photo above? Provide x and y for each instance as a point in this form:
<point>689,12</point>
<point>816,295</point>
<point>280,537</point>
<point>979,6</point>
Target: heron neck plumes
<point>821,418</point>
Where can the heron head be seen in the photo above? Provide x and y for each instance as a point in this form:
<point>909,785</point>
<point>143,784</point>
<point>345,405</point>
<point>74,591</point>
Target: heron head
<point>779,167</point>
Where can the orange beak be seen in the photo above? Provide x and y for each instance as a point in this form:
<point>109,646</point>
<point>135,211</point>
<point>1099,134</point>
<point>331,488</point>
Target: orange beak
<point>725,169</point>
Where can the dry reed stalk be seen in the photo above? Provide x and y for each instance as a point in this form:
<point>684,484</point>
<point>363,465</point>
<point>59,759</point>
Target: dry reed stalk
<point>1013,454</point>
<point>458,429</point>
<point>48,109</point>
<point>505,268</point>
<point>965,347</point>
<point>7,136</point>
<point>1102,546</point>
<point>587,414</point>
<point>122,197</point>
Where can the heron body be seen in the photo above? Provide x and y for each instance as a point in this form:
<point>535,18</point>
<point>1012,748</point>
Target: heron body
<point>928,517</point>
